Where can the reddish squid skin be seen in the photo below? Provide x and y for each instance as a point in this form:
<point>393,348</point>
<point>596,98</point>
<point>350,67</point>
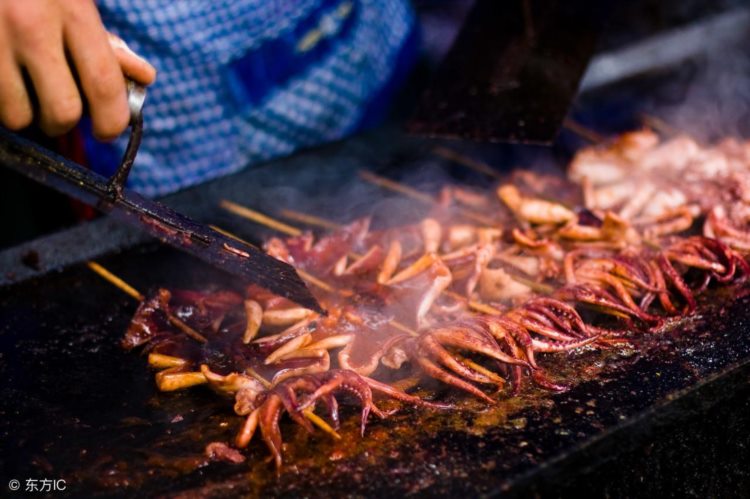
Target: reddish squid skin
<point>634,274</point>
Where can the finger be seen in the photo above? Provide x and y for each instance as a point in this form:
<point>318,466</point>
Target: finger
<point>15,106</point>
<point>59,101</point>
<point>134,66</point>
<point>98,71</point>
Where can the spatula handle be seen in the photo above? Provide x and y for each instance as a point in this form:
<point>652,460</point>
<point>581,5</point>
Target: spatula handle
<point>136,99</point>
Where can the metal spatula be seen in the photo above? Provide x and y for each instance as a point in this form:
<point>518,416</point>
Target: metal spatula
<point>109,196</point>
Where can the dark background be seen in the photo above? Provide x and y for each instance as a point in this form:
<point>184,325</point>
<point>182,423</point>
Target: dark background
<point>28,210</point>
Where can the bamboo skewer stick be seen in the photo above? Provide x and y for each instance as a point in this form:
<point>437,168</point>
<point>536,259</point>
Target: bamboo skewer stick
<point>321,423</point>
<point>461,159</point>
<point>189,331</point>
<point>583,132</point>
<point>231,236</point>
<point>274,224</point>
<point>402,327</point>
<point>394,186</point>
<point>317,282</point>
<point>116,281</point>
<point>323,284</point>
<point>304,275</point>
<point>258,217</point>
<point>134,293</point>
<point>192,333</point>
<point>659,125</point>
<point>480,369</point>
<point>315,221</point>
<point>255,374</point>
<point>478,306</point>
<point>309,219</point>
<point>308,413</point>
<point>533,285</point>
<point>323,223</point>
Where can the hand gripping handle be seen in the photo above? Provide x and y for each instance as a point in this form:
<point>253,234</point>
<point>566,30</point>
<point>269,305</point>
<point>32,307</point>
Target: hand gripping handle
<point>136,98</point>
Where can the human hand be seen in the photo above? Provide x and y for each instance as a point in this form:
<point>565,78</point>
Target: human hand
<point>52,40</point>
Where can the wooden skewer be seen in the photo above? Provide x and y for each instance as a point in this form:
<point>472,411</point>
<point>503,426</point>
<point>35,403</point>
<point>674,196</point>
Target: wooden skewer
<point>457,157</point>
<point>533,285</point>
<point>231,236</point>
<point>323,223</point>
<point>480,369</point>
<point>394,186</point>
<point>172,362</point>
<point>478,306</point>
<point>255,374</point>
<point>309,219</point>
<point>258,217</point>
<point>134,293</point>
<point>583,132</point>
<point>315,281</point>
<point>404,328</point>
<point>320,423</point>
<point>304,275</point>
<point>322,284</point>
<point>316,222</point>
<point>189,331</point>
<point>114,280</point>
<point>308,413</point>
<point>659,125</point>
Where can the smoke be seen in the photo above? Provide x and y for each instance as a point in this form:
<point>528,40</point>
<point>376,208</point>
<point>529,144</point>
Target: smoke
<point>715,99</point>
<point>697,78</point>
<point>707,96</point>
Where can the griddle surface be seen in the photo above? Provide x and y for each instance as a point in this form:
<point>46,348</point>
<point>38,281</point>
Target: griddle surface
<point>77,406</point>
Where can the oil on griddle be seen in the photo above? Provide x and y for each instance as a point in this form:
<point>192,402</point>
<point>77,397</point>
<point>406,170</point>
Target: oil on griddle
<point>77,406</point>
<point>467,317</point>
<point>108,431</point>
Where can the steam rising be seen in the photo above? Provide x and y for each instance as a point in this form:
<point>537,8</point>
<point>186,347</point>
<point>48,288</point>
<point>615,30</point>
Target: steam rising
<point>715,96</point>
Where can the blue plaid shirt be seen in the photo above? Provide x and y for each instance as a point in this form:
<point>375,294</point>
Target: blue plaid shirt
<point>244,81</point>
